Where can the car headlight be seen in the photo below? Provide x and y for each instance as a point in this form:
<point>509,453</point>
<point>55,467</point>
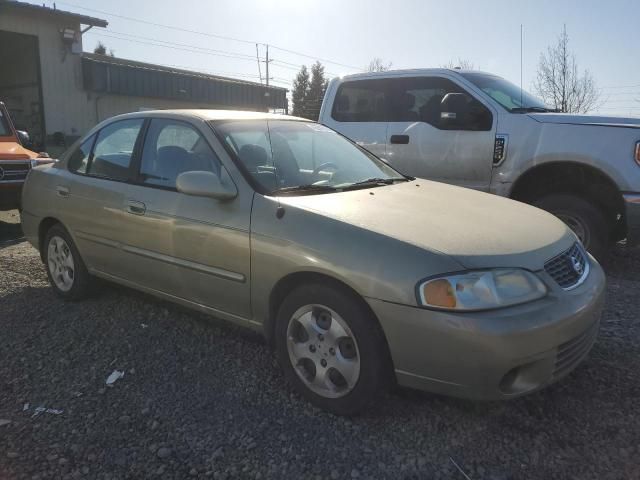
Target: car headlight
<point>481,289</point>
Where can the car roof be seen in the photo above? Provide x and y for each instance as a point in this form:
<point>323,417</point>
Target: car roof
<point>206,114</point>
<point>408,72</point>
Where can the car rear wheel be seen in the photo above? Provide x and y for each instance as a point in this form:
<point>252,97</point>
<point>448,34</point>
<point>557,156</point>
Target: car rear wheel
<point>583,217</point>
<point>67,272</point>
<point>330,348</point>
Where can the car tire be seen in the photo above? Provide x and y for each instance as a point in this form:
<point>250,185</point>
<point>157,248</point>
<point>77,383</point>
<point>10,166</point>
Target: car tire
<point>342,338</point>
<point>586,219</point>
<point>66,270</point>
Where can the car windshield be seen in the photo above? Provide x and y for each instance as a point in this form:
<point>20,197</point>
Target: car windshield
<point>507,94</point>
<point>288,156</point>
<point>4,125</point>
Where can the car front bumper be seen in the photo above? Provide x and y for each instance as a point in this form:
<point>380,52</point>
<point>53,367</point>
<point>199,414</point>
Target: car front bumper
<point>632,214</point>
<point>496,354</point>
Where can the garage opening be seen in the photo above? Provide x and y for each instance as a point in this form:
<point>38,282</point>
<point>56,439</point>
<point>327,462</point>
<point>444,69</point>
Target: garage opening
<point>20,84</point>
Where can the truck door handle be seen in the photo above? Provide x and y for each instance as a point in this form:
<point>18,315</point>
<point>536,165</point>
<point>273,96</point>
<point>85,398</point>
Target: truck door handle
<point>136,208</point>
<point>62,191</point>
<point>400,139</point>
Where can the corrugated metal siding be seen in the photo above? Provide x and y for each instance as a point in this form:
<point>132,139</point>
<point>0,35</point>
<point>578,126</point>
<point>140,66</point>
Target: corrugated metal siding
<point>131,80</point>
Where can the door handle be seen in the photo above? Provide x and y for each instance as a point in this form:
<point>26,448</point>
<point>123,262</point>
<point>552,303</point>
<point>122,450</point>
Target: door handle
<point>400,139</point>
<point>62,191</point>
<point>136,208</point>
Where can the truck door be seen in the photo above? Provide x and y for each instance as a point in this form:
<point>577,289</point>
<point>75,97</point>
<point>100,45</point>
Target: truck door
<point>439,131</point>
<point>358,112</point>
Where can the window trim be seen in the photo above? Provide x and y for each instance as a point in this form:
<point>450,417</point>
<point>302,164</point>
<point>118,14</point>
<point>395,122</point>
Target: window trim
<point>135,180</point>
<point>96,134</point>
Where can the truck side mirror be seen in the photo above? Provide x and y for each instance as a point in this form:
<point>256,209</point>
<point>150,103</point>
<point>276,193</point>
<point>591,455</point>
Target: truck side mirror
<point>25,139</point>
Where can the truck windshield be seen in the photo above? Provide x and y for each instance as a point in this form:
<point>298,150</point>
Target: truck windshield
<point>4,125</point>
<point>507,94</point>
<point>293,157</point>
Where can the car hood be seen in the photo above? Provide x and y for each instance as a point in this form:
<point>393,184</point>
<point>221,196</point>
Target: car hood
<point>476,229</point>
<point>571,119</point>
<point>15,151</point>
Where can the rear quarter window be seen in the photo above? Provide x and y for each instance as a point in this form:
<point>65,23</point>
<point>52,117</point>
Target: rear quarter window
<point>361,101</point>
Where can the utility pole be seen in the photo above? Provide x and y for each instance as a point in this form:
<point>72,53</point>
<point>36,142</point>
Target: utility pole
<point>267,62</point>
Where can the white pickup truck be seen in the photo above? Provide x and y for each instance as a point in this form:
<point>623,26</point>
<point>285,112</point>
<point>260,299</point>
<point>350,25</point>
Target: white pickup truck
<point>478,130</point>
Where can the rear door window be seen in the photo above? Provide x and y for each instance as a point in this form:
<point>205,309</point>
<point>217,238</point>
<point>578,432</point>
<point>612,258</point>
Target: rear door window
<point>114,149</point>
<point>361,101</point>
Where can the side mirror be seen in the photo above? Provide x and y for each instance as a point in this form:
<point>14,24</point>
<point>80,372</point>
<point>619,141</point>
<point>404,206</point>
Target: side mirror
<point>452,106</point>
<point>206,184</point>
<point>25,139</point>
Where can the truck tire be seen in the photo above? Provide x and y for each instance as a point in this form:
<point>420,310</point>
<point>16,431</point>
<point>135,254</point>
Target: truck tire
<point>586,219</point>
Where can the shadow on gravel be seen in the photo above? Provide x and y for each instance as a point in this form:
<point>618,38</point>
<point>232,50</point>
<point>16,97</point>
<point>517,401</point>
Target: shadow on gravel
<point>10,234</point>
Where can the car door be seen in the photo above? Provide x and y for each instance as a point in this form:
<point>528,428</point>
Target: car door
<point>439,131</point>
<point>90,193</point>
<point>358,112</point>
<point>194,248</point>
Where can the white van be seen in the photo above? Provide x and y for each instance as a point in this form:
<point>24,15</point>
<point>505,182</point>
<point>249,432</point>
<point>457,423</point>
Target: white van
<point>478,130</point>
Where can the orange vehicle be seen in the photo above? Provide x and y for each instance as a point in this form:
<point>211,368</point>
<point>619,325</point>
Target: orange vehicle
<point>15,162</point>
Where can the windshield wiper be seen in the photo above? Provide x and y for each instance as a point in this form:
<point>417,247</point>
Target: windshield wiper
<point>304,188</point>
<point>531,109</point>
<point>375,182</point>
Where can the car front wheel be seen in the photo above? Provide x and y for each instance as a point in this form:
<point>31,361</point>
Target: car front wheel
<point>330,348</point>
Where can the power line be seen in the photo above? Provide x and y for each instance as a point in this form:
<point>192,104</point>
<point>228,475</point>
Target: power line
<point>212,35</point>
<point>223,37</point>
<point>173,47</point>
<point>187,48</point>
<point>189,45</point>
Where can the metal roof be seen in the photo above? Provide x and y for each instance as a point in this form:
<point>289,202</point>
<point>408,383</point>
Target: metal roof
<point>103,73</point>
<point>52,12</point>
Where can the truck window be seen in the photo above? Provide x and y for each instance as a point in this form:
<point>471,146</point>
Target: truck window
<point>424,99</point>
<point>360,101</point>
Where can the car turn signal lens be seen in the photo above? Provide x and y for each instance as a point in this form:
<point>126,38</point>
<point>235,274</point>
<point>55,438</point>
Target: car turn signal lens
<point>637,156</point>
<point>439,293</point>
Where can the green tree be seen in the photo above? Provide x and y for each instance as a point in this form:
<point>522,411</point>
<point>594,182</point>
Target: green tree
<point>299,92</point>
<point>317,88</point>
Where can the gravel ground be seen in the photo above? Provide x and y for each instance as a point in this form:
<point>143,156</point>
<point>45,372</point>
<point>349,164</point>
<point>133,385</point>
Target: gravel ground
<point>201,399</point>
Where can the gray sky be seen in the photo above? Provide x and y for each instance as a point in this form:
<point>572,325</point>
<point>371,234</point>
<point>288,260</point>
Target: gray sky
<point>410,33</point>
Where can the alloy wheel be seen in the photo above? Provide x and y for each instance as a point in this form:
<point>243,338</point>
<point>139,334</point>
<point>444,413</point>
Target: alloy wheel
<point>323,351</point>
<point>61,264</point>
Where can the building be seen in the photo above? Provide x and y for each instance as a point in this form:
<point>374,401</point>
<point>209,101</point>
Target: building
<point>57,92</point>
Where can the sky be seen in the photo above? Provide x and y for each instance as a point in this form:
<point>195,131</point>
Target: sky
<point>346,34</point>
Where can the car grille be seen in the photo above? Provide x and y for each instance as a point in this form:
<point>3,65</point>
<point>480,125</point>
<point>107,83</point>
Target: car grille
<point>13,171</point>
<point>570,268</point>
<point>570,353</point>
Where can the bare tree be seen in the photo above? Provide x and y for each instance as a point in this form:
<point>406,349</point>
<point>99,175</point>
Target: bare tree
<point>378,65</point>
<point>461,64</point>
<point>559,82</point>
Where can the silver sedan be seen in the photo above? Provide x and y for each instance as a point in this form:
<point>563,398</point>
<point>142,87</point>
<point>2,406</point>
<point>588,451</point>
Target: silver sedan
<point>358,275</point>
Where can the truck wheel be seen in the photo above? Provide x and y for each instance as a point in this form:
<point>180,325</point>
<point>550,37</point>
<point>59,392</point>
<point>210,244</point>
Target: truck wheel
<point>67,272</point>
<point>583,217</point>
<point>330,349</point>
